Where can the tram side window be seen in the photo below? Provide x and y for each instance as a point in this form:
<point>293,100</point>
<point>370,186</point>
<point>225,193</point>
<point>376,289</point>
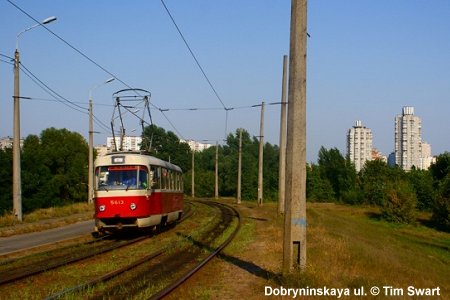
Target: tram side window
<point>172,181</point>
<point>143,180</point>
<point>181,182</point>
<point>156,177</point>
<point>178,181</point>
<point>164,178</point>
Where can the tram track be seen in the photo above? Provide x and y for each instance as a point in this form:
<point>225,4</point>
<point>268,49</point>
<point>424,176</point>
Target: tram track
<point>158,267</point>
<point>150,269</point>
<point>24,267</point>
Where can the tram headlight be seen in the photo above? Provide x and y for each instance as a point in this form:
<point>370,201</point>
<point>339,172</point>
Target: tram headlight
<point>133,206</point>
<point>102,208</point>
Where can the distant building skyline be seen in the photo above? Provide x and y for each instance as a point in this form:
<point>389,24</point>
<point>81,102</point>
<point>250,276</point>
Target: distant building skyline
<point>359,145</point>
<point>133,143</point>
<point>129,143</point>
<point>7,142</point>
<point>409,149</point>
<point>408,139</point>
<point>196,146</point>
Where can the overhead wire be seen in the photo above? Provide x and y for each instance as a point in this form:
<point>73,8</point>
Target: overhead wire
<point>5,61</point>
<point>55,95</point>
<point>193,55</point>
<point>87,57</point>
<point>198,65</point>
<point>161,110</point>
<point>50,91</point>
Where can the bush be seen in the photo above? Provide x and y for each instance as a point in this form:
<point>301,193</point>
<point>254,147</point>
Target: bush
<point>441,207</point>
<point>400,204</point>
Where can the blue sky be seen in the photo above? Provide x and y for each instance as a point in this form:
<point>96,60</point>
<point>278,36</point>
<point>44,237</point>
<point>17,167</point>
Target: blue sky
<point>366,60</point>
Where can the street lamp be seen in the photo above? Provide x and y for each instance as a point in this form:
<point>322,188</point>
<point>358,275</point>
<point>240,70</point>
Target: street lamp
<point>91,143</point>
<point>17,184</point>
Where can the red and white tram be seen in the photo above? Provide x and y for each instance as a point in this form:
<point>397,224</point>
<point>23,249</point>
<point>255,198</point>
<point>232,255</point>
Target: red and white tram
<point>135,190</point>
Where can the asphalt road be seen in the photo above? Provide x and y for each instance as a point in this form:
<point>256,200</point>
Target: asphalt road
<point>34,239</point>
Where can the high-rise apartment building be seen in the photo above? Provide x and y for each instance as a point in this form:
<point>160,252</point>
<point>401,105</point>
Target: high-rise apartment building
<point>359,145</point>
<point>129,143</point>
<point>408,139</point>
<point>196,146</point>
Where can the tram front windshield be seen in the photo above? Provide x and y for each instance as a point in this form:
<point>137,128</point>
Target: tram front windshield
<point>121,177</point>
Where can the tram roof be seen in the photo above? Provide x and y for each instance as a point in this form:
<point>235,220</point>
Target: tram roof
<point>134,157</point>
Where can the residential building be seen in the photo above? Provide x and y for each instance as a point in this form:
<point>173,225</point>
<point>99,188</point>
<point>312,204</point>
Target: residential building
<point>101,150</point>
<point>408,139</point>
<point>359,145</point>
<point>196,146</point>
<point>427,159</point>
<point>391,159</point>
<point>376,154</point>
<point>7,142</point>
<point>129,143</point>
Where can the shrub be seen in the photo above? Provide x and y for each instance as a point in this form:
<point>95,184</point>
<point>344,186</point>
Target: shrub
<point>441,207</point>
<point>400,204</point>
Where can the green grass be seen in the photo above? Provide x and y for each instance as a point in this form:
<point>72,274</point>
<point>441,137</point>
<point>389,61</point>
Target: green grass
<point>348,247</point>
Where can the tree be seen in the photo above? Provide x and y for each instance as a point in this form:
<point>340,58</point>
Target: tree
<point>400,203</point>
<point>35,174</point>
<point>441,168</point>
<point>229,166</point>
<point>422,182</point>
<point>167,146</point>
<point>339,171</point>
<point>5,180</point>
<point>54,169</point>
<point>441,204</point>
<point>318,188</point>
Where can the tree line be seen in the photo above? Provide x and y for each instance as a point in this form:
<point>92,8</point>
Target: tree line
<point>399,194</point>
<point>54,173</point>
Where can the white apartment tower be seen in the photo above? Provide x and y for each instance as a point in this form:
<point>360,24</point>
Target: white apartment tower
<point>408,139</point>
<point>359,145</point>
<point>129,143</point>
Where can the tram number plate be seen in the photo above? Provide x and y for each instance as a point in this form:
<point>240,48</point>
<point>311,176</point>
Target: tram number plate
<point>118,159</point>
<point>116,202</point>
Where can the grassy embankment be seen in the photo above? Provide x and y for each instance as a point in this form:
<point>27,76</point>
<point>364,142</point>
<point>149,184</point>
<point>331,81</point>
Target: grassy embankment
<point>45,218</point>
<point>350,247</point>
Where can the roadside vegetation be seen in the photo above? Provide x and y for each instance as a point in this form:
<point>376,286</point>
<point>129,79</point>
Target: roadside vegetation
<point>353,247</point>
<point>54,174</point>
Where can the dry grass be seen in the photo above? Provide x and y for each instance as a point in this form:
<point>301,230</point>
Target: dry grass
<point>349,248</point>
<point>42,219</point>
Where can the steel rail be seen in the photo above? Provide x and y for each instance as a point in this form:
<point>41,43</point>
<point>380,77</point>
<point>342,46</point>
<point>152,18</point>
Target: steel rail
<point>191,272</point>
<point>5,278</point>
<point>119,271</point>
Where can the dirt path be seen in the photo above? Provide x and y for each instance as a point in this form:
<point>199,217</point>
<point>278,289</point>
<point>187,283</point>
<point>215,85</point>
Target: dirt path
<point>250,263</point>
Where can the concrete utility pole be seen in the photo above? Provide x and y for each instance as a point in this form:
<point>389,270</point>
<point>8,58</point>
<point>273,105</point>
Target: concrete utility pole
<point>217,172</point>
<point>91,143</point>
<point>283,125</point>
<point>239,168</point>
<point>294,246</point>
<point>17,179</point>
<point>91,155</point>
<point>193,175</point>
<point>260,163</point>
